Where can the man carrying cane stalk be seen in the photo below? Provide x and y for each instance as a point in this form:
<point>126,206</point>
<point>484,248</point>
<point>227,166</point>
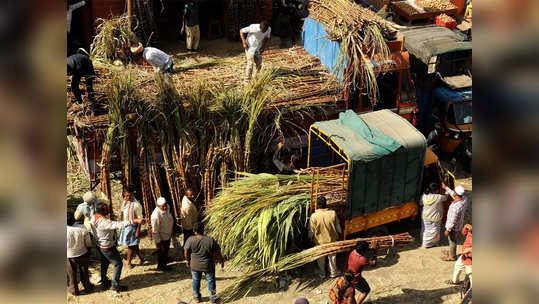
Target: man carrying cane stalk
<point>357,260</point>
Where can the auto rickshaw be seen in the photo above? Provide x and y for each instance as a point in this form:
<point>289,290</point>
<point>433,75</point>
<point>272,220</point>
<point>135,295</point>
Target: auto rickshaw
<point>453,108</point>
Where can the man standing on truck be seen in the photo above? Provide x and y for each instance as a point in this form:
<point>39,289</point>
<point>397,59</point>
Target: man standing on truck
<point>455,220</point>
<point>254,45</point>
<point>324,228</point>
<point>160,60</point>
<point>78,66</point>
<point>289,168</point>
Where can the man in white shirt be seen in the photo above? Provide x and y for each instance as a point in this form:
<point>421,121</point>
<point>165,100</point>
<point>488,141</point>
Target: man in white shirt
<point>254,45</point>
<point>160,60</point>
<point>162,225</point>
<point>78,242</point>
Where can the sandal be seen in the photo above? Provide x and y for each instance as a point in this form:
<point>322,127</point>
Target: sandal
<point>448,259</point>
<point>450,282</point>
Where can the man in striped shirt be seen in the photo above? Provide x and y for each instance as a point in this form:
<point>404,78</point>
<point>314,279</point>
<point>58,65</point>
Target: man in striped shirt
<point>105,238</point>
<point>455,220</point>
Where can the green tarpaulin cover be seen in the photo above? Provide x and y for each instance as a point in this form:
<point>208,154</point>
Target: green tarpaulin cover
<point>386,159</point>
<point>356,138</point>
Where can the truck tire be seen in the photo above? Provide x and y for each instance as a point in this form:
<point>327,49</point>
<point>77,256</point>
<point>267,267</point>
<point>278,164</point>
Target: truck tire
<point>377,231</point>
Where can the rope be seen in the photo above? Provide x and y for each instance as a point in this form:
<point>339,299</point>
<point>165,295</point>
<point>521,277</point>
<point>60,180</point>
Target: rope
<point>392,244</point>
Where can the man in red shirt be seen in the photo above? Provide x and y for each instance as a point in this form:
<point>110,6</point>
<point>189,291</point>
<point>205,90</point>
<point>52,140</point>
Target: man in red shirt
<point>464,262</point>
<point>356,262</point>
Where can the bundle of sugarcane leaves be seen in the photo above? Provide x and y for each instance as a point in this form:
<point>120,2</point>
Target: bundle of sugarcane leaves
<point>244,284</point>
<point>257,217</point>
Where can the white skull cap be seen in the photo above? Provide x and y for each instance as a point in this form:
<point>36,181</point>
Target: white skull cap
<point>161,201</point>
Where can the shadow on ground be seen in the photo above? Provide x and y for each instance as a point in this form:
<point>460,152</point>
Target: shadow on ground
<point>152,278</point>
<point>416,296</point>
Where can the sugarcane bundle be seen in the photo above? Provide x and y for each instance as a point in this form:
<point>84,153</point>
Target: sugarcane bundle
<point>203,132</point>
<point>112,40</point>
<point>121,95</point>
<point>256,218</point>
<point>243,285</point>
<point>299,77</point>
<point>361,34</point>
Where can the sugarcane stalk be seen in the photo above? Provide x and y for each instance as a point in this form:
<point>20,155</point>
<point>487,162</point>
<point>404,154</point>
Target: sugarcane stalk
<point>145,183</point>
<point>105,165</point>
<point>244,284</point>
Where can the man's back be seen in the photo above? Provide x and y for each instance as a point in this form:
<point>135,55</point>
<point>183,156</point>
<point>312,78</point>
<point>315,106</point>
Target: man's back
<point>255,37</point>
<point>433,209</point>
<point>191,14</point>
<point>79,64</point>
<point>156,57</point>
<point>78,240</point>
<point>203,252</point>
<point>189,213</point>
<point>323,224</point>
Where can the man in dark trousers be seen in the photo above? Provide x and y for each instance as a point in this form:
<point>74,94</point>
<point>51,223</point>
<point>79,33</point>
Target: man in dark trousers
<point>201,252</point>
<point>79,65</point>
<point>357,260</point>
<point>105,239</point>
<point>78,242</point>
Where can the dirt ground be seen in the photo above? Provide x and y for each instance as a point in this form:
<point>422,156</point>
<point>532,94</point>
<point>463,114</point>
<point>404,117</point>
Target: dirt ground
<point>409,275</point>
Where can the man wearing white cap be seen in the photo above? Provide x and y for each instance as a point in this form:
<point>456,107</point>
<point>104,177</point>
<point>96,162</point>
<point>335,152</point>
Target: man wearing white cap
<point>160,60</point>
<point>455,220</point>
<point>86,210</point>
<point>162,228</point>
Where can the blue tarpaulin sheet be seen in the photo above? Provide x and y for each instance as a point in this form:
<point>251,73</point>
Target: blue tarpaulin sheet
<point>316,42</point>
<point>448,95</point>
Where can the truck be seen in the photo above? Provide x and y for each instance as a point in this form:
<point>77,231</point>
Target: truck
<point>368,166</point>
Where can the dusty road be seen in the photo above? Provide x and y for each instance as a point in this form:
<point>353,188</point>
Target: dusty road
<point>411,275</point>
